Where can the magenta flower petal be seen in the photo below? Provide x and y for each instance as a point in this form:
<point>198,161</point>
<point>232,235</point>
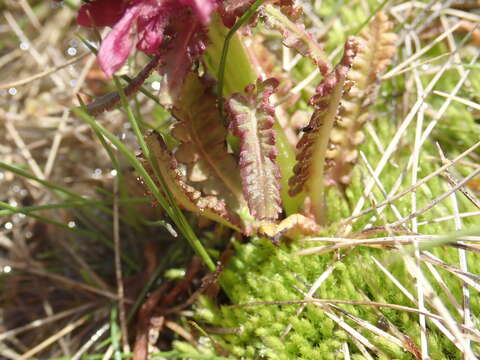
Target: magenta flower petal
<point>150,27</point>
<point>102,12</point>
<point>118,44</point>
<point>202,8</point>
<point>144,23</point>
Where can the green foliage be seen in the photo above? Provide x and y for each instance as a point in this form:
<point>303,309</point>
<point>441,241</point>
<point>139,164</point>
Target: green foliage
<point>260,271</point>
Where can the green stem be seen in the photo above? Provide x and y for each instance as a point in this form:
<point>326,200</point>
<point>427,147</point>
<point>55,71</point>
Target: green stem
<point>67,205</point>
<point>175,214</point>
<point>226,45</point>
<point>130,219</point>
<point>91,234</point>
<point>60,191</point>
<point>173,210</point>
<point>56,188</point>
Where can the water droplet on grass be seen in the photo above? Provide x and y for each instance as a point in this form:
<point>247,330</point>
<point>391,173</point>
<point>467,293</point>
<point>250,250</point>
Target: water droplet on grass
<point>72,51</point>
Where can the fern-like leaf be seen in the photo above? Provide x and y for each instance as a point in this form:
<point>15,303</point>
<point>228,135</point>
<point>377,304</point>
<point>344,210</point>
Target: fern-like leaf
<point>187,196</point>
<point>285,20</point>
<point>252,119</point>
<point>312,147</point>
<point>376,48</point>
<point>210,169</point>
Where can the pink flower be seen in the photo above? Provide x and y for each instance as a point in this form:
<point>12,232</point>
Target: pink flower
<point>142,21</point>
<point>203,8</point>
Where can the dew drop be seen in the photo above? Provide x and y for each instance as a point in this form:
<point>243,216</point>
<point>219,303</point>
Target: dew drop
<point>56,4</point>
<point>72,51</point>
<point>97,173</point>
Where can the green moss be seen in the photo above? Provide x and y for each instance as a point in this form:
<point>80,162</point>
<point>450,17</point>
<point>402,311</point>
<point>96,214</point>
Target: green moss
<point>278,274</point>
<point>261,272</point>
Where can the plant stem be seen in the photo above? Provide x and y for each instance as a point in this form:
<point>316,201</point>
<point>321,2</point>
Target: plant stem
<point>175,214</point>
<point>226,44</point>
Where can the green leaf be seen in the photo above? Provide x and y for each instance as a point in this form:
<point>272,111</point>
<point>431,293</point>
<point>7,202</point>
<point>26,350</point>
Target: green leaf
<point>252,120</point>
<point>312,147</point>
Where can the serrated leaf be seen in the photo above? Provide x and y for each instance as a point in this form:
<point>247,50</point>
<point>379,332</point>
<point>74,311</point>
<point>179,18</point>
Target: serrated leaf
<point>312,147</point>
<point>187,196</point>
<point>376,48</point>
<point>252,119</point>
<point>210,169</point>
<point>285,20</point>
